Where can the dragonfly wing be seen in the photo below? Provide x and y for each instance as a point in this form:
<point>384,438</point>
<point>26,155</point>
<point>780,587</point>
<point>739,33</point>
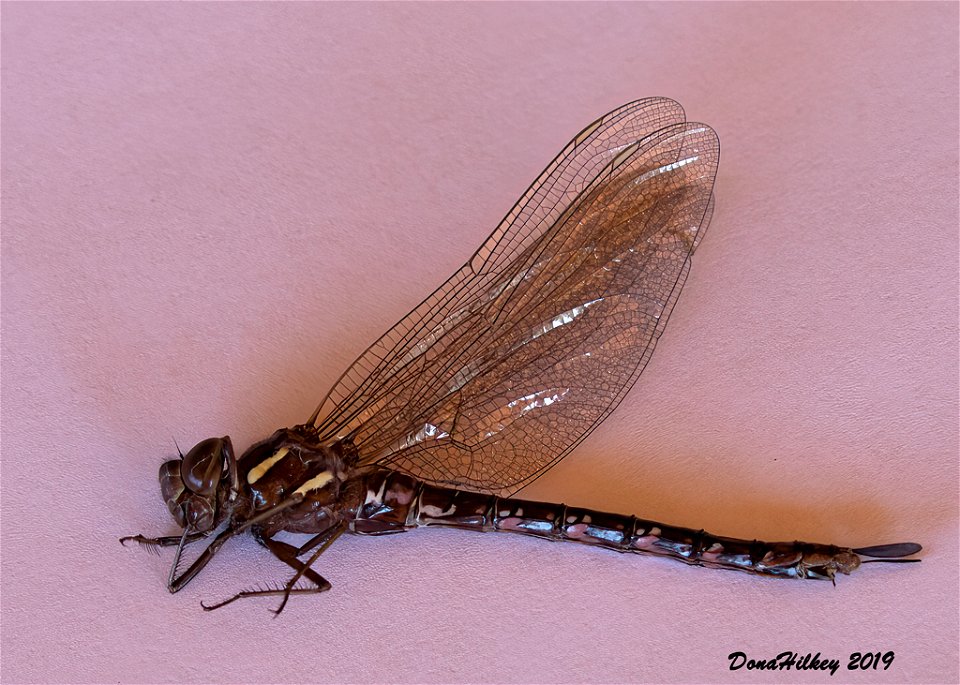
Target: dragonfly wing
<point>512,362</point>
<point>367,380</point>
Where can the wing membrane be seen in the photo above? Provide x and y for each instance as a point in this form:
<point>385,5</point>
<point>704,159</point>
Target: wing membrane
<point>533,342</point>
<point>367,379</point>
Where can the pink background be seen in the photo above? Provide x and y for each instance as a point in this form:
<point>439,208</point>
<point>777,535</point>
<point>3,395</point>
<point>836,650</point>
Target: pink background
<point>209,210</point>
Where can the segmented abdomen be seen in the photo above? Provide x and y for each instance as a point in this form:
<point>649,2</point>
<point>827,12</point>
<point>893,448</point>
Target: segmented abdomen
<point>396,502</point>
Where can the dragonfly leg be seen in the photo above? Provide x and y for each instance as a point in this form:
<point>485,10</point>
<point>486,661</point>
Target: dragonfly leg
<point>271,592</point>
<point>163,541</point>
<point>325,538</point>
<point>175,583</point>
<point>321,541</point>
<point>288,554</point>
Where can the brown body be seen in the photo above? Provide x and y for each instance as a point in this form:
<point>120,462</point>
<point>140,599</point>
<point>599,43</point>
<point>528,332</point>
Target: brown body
<point>379,501</point>
<point>293,482</point>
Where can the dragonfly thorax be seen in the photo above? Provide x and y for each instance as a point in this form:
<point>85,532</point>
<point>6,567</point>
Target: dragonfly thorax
<point>292,470</point>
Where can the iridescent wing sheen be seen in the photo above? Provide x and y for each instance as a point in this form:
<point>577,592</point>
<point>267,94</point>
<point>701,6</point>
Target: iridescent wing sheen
<point>514,360</point>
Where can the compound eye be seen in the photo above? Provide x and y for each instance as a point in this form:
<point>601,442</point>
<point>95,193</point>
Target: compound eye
<point>172,489</point>
<point>202,467</point>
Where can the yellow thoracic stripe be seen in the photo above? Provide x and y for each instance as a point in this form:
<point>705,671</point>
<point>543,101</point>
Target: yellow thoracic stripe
<point>315,483</point>
<point>258,471</point>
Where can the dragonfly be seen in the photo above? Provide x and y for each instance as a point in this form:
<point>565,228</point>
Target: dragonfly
<point>493,379</point>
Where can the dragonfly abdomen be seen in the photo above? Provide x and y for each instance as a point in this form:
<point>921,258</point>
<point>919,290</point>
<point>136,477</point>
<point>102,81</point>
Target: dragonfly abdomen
<point>396,502</point>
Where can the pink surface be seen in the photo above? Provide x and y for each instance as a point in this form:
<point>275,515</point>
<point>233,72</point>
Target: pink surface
<point>209,210</point>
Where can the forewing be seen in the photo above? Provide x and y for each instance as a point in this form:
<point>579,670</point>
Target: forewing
<point>534,341</point>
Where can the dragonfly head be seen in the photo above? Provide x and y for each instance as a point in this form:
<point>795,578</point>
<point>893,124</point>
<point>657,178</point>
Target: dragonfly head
<point>193,484</point>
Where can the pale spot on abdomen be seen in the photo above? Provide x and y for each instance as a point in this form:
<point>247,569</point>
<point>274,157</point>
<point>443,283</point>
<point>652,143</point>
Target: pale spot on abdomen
<point>435,512</point>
